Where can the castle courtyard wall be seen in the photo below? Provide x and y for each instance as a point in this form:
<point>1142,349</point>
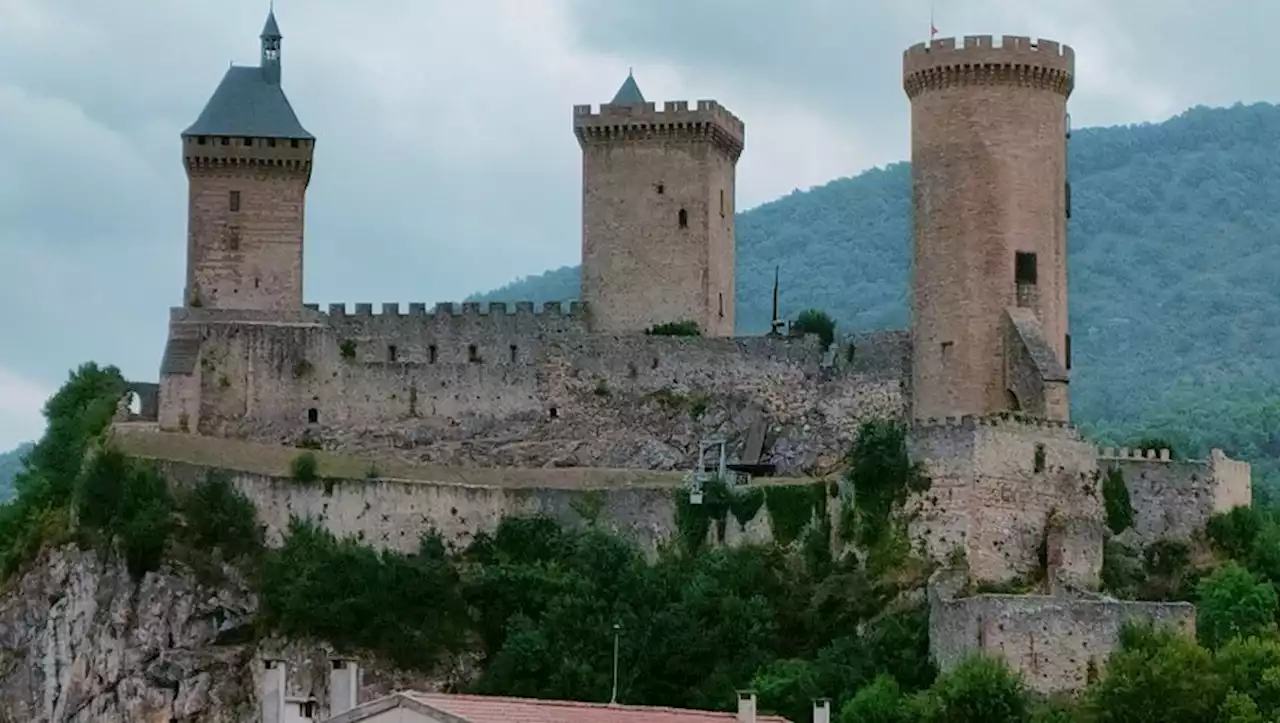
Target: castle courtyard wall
<point>352,374</point>
<point>1058,644</point>
<point>1174,499</point>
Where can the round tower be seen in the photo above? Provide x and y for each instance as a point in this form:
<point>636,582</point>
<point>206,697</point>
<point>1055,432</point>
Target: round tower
<point>248,162</point>
<point>989,131</point>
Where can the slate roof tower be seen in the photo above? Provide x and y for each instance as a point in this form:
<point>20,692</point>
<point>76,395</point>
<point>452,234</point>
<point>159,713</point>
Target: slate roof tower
<point>248,162</point>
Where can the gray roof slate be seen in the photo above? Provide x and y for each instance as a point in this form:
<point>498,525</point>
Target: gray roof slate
<point>629,93</point>
<point>247,104</point>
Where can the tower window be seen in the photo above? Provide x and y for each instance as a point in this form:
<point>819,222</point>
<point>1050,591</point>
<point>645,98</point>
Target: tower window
<point>431,354</point>
<point>225,141</point>
<point>1068,200</point>
<point>661,189</point>
<point>392,352</point>
<point>294,142</point>
<point>233,238</point>
<point>683,218</point>
<point>722,203</point>
<point>514,353</point>
<point>1039,458</point>
<point>248,142</point>
<point>721,306</point>
<point>271,142</point>
<point>473,354</point>
<point>313,416</point>
<point>234,201</point>
<point>1024,267</point>
<point>1067,343</point>
<point>201,140</point>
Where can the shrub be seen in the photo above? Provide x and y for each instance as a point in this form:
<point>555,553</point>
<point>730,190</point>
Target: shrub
<point>304,468</point>
<point>1115,498</point>
<point>675,328</point>
<point>813,321</point>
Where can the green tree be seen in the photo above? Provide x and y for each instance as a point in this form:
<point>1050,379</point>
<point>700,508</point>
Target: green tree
<point>1231,602</point>
<point>978,690</point>
<point>813,321</point>
<point>882,701</point>
<point>1156,665</point>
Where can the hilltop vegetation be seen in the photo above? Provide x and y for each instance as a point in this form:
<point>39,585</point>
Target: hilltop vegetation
<point>1174,256</point>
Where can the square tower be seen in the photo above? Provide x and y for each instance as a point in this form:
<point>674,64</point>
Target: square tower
<point>248,162</point>
<point>657,212</point>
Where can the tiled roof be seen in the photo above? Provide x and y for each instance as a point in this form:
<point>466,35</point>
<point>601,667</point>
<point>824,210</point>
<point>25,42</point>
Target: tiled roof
<point>495,709</point>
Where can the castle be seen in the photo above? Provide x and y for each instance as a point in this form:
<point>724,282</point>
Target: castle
<point>982,377</point>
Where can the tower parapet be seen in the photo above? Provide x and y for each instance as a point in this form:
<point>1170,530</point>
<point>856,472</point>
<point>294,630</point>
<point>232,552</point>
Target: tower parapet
<point>977,60</point>
<point>707,120</point>
<point>991,202</point>
<point>658,191</point>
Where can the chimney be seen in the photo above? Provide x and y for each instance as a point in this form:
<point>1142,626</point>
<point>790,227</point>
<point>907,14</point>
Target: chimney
<point>746,706</point>
<point>271,689</point>
<point>344,685</point>
<point>821,710</point>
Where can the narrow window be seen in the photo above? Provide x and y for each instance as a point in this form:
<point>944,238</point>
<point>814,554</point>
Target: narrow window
<point>946,349</point>
<point>1024,267</point>
<point>514,353</point>
<point>248,142</point>
<point>553,412</point>
<point>234,200</point>
<point>201,140</point>
<point>721,306</point>
<point>392,352</point>
<point>1068,351</point>
<point>722,203</point>
<point>313,415</point>
<point>271,142</point>
<point>225,141</point>
<point>294,142</point>
<point>431,354</point>
<point>473,354</point>
<point>661,189</point>
<point>1068,186</point>
<point>1039,460</point>
<point>256,282</point>
<point>683,217</point>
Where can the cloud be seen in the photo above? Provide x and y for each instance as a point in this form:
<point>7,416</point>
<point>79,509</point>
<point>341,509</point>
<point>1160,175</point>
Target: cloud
<point>446,163</point>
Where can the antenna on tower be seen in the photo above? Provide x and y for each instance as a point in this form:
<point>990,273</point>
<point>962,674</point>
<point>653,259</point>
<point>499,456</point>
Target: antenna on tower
<point>775,324</point>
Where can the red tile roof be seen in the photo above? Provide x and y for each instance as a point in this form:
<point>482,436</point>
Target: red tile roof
<point>494,709</point>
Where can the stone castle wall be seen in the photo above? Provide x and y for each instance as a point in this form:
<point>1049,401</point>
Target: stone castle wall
<point>1174,499</point>
<point>994,486</point>
<point>467,379</point>
<point>1058,644</point>
<point>390,514</point>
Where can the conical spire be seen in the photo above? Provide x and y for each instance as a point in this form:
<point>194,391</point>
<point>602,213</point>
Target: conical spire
<point>271,48</point>
<point>629,93</point>
<point>270,29</point>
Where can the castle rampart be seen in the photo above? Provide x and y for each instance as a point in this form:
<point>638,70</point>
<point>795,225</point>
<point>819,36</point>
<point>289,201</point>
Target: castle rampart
<point>1058,643</point>
<point>1174,499</point>
<point>366,375</point>
<point>995,485</point>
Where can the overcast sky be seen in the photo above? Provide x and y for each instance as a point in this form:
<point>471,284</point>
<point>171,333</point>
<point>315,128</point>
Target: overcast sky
<point>445,162</point>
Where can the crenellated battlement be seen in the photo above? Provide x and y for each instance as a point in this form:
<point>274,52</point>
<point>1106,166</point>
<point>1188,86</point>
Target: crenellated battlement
<point>978,60</point>
<point>217,152</point>
<point>706,119</point>
<point>1152,455</point>
<point>552,309</point>
<point>1008,420</point>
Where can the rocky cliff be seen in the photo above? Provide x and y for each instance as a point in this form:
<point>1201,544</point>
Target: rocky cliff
<point>80,642</point>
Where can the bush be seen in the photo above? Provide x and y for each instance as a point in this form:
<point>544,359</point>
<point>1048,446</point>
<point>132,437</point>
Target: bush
<point>675,328</point>
<point>812,321</point>
<point>1115,499</point>
<point>304,468</point>
<point>220,518</point>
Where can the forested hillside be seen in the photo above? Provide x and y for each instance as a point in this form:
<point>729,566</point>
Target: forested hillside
<point>1173,273</point>
<point>10,464</point>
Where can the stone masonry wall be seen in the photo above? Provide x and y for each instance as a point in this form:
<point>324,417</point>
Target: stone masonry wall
<point>1058,644</point>
<point>994,486</point>
<point>1174,499</point>
<point>394,514</point>
<point>529,389</point>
